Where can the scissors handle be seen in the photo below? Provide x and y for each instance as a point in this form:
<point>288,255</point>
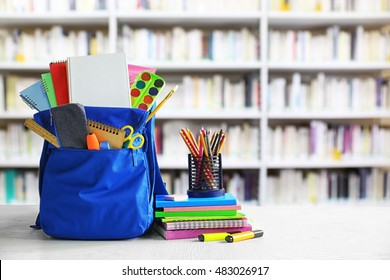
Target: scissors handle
<point>130,138</point>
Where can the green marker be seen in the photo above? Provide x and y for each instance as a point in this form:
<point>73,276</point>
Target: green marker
<point>214,236</point>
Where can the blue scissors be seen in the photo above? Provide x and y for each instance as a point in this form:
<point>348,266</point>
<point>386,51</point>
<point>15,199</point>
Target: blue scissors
<point>132,142</point>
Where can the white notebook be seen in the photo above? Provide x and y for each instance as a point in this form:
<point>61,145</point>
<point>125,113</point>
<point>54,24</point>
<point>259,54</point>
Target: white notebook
<point>99,80</point>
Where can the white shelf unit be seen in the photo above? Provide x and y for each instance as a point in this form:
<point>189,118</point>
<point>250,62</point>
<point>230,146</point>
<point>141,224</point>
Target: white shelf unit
<point>261,21</point>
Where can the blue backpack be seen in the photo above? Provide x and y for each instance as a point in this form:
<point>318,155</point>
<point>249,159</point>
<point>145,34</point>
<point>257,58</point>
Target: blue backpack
<point>99,194</point>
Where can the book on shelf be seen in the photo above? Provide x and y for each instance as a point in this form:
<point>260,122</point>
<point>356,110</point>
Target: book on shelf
<point>56,40</point>
<point>318,187</point>
<point>329,45</point>
<point>320,140</point>
<point>175,45</point>
<point>18,187</point>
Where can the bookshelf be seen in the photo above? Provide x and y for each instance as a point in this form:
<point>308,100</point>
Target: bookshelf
<point>256,18</point>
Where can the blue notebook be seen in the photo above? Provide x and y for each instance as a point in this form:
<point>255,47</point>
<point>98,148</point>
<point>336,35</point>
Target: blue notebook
<point>35,97</point>
<point>227,199</point>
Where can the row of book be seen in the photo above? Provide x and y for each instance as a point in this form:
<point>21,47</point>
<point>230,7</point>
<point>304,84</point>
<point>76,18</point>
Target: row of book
<point>332,43</point>
<point>243,185</point>
<point>330,5</point>
<point>215,92</point>
<point>18,187</point>
<point>50,44</point>
<point>18,143</point>
<point>42,6</point>
<point>179,44</point>
<point>191,217</point>
<point>323,186</point>
<point>321,141</point>
<point>188,5</point>
<point>243,143</point>
<point>328,92</point>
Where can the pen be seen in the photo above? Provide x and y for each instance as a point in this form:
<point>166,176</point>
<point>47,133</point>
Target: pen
<point>162,103</point>
<point>214,236</point>
<point>244,235</point>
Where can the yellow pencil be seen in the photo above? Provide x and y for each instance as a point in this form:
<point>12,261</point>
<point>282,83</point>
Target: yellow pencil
<point>162,103</point>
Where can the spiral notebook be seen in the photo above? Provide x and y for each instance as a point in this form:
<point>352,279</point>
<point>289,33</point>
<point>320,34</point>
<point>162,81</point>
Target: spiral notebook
<point>35,97</point>
<point>198,224</point>
<point>103,132</point>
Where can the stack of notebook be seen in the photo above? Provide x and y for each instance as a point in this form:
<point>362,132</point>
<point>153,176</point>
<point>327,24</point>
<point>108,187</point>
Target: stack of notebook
<point>194,216</point>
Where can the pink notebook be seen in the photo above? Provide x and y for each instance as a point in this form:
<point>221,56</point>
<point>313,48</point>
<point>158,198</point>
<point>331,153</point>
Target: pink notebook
<point>193,233</point>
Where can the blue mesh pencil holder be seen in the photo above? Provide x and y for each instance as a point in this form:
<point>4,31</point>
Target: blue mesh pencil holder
<point>205,176</point>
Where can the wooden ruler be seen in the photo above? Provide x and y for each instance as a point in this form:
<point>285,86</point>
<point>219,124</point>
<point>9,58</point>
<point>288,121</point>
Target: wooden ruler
<point>49,137</point>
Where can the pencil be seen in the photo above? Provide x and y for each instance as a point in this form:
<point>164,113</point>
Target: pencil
<point>162,103</point>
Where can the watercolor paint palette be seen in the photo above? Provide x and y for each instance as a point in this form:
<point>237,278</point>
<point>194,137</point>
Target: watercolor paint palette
<point>145,90</point>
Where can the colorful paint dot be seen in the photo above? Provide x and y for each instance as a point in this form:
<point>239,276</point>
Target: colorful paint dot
<point>145,76</point>
<point>143,106</point>
<point>148,99</point>
<point>158,83</point>
<point>140,84</point>
<point>135,92</point>
<point>153,91</point>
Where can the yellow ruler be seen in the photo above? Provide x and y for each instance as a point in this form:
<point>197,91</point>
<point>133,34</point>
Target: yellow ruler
<point>49,137</point>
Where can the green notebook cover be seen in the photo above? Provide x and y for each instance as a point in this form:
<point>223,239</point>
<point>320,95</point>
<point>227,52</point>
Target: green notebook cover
<point>159,214</point>
<point>197,218</point>
<point>49,88</point>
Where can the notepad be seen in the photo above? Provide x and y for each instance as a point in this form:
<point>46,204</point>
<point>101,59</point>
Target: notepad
<point>60,81</point>
<point>35,96</point>
<point>107,133</point>
<point>49,89</point>
<point>99,80</point>
<point>198,224</point>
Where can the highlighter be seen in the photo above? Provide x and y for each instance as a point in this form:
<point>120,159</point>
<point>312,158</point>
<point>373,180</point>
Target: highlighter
<point>92,142</point>
<point>244,235</point>
<point>214,236</point>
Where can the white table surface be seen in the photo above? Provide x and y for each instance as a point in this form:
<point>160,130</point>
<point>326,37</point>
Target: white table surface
<point>289,233</point>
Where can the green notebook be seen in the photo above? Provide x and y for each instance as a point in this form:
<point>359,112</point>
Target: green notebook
<point>197,218</point>
<point>160,214</point>
<point>49,89</point>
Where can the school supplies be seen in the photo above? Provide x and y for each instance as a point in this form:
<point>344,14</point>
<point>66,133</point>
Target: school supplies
<point>235,237</point>
<point>60,81</point>
<point>49,137</point>
<point>162,103</point>
<point>92,142</point>
<point>49,89</point>
<point>99,80</point>
<point>35,97</point>
<point>132,141</point>
<point>71,125</point>
<point>145,89</point>
<point>106,133</point>
<point>202,208</point>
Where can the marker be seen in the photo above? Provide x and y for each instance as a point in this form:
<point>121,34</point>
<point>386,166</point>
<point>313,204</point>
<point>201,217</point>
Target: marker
<point>92,142</point>
<point>215,236</point>
<point>244,235</point>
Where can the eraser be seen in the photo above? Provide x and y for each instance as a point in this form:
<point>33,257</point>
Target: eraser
<point>176,197</point>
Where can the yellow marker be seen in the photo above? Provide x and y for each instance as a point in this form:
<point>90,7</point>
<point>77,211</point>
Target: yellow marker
<point>215,236</point>
<point>244,235</point>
